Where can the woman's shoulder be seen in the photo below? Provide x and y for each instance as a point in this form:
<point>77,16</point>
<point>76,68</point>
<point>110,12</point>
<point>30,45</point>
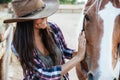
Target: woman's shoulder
<point>54,27</point>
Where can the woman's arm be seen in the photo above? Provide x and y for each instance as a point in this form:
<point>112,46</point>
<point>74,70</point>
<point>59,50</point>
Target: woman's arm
<point>70,64</point>
<point>79,56</point>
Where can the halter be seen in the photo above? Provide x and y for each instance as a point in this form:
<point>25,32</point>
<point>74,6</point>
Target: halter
<point>99,2</point>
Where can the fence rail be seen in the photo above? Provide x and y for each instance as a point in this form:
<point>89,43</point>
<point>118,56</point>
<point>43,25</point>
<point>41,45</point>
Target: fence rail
<point>70,8</point>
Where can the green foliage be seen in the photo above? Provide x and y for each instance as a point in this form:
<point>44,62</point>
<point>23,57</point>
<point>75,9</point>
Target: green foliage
<point>67,1</point>
<point>5,1</point>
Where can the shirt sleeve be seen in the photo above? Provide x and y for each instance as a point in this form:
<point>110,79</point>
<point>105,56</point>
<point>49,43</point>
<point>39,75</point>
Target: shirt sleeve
<point>53,73</point>
<point>61,41</point>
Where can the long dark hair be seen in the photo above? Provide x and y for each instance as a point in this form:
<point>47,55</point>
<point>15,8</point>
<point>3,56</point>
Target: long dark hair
<point>23,42</point>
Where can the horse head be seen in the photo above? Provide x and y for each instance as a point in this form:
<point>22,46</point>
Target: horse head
<point>101,25</point>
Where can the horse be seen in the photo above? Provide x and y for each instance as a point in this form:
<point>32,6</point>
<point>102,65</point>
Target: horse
<point>101,24</point>
<point>10,68</point>
<point>5,52</point>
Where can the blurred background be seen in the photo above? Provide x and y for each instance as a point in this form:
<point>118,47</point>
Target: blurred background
<point>67,18</point>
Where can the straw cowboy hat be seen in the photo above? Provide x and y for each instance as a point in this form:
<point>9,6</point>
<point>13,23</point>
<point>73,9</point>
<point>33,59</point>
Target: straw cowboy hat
<point>26,10</point>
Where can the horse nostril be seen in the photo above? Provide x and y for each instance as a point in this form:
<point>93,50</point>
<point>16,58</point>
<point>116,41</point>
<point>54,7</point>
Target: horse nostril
<point>90,75</point>
<point>114,79</point>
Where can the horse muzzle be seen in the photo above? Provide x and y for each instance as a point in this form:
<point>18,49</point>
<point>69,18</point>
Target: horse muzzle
<point>91,76</point>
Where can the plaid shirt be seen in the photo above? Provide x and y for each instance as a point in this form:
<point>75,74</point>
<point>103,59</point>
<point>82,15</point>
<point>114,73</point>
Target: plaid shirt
<point>53,73</point>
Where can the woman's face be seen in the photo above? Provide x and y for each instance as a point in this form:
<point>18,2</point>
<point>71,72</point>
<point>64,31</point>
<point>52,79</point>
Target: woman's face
<point>40,23</point>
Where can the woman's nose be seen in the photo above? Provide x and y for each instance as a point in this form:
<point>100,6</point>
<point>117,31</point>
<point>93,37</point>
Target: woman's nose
<point>44,18</point>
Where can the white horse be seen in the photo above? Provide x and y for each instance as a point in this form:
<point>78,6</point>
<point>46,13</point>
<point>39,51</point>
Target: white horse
<point>9,65</point>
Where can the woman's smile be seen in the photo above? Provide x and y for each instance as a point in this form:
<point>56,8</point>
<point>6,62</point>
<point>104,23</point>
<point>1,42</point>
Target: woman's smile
<point>40,23</point>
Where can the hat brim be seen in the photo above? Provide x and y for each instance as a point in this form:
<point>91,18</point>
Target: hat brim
<point>51,8</point>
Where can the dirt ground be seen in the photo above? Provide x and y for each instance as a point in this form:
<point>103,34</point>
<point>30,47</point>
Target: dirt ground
<point>68,23</point>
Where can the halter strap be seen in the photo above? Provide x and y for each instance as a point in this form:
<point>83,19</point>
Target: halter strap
<point>99,2</point>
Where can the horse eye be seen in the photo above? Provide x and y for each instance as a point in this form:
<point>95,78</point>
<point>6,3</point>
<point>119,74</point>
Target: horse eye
<point>87,17</point>
<point>118,46</point>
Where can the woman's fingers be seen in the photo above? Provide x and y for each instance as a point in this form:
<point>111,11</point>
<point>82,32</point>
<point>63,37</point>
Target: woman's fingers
<point>82,40</point>
<point>81,45</point>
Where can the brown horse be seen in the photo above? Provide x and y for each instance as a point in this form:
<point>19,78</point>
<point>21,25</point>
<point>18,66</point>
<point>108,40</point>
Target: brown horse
<point>101,23</point>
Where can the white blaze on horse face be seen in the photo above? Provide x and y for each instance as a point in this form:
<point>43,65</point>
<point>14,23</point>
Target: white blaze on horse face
<point>108,14</point>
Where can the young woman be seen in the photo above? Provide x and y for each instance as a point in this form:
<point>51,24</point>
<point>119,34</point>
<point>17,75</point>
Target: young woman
<point>39,44</point>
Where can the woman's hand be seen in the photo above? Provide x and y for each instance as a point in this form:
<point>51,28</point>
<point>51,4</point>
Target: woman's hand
<point>79,56</point>
<point>81,46</point>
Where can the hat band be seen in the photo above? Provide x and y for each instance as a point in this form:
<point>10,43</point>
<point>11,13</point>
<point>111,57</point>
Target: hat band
<point>35,11</point>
